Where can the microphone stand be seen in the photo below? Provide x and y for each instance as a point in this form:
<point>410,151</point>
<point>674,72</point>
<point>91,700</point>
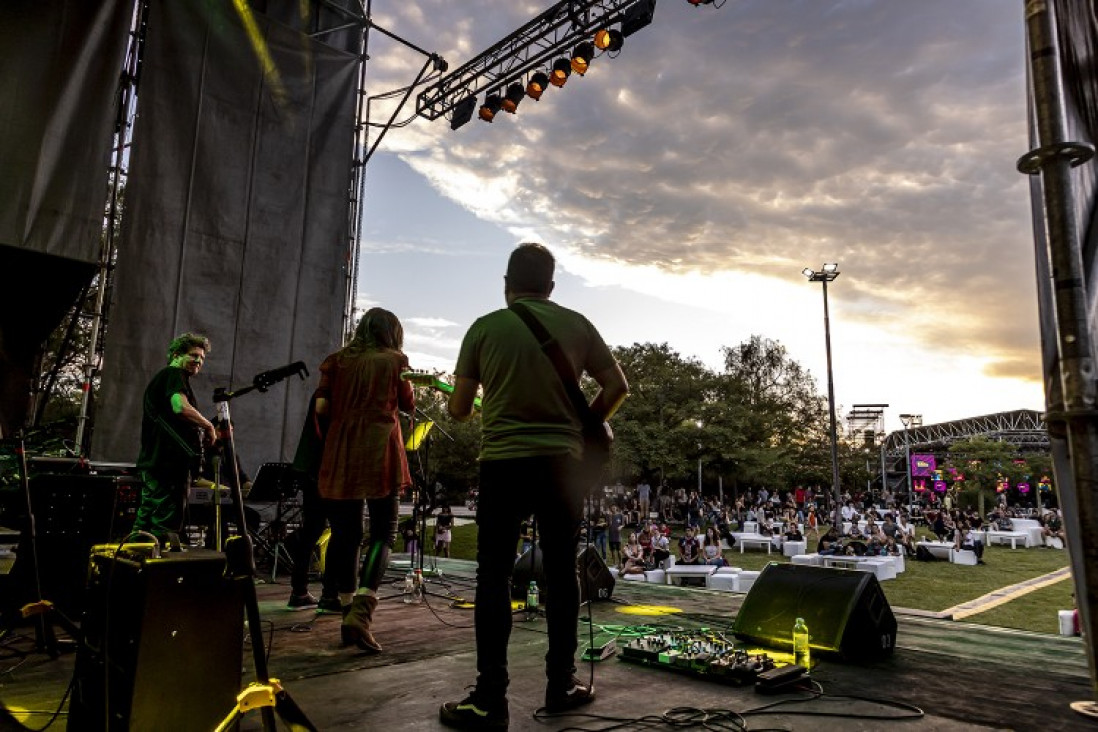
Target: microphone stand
<point>265,693</point>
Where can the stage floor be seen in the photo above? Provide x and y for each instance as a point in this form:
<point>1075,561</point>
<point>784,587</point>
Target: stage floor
<point>962,676</point>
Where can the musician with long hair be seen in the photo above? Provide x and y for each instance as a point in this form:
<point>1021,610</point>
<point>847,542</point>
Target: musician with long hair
<point>364,463</point>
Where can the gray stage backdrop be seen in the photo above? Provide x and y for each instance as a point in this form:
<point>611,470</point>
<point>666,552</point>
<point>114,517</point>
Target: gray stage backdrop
<point>235,222</point>
<point>59,67</point>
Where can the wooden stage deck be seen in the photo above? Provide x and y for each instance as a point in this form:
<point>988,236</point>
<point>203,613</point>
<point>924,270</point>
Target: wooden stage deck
<point>962,676</point>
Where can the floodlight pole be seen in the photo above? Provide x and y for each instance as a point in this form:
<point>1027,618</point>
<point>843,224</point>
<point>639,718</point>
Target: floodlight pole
<point>907,419</point>
<point>828,273</point>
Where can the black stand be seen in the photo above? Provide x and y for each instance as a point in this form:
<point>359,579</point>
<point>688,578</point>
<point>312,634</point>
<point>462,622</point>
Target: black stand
<point>265,693</point>
<point>424,498</point>
<point>43,612</point>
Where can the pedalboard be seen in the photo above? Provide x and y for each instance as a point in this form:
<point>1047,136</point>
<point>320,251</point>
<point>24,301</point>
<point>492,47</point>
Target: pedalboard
<point>700,653</point>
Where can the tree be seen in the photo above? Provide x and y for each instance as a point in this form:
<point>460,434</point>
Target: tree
<point>449,455</point>
<point>655,431</point>
<point>983,462</point>
<point>780,416</point>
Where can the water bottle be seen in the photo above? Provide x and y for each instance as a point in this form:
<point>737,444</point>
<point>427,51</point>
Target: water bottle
<point>532,601</point>
<point>409,588</point>
<point>801,653</point>
<point>417,587</point>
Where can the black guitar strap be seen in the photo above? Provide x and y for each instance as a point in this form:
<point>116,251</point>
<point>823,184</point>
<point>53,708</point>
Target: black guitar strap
<point>551,348</point>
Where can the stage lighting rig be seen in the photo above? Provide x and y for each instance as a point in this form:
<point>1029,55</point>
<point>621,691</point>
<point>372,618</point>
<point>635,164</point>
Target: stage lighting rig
<point>528,53</point>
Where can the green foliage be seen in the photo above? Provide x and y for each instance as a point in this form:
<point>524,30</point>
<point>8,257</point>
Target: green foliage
<point>449,455</point>
<point>984,462</point>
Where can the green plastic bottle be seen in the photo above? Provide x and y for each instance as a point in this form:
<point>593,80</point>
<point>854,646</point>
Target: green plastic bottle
<point>801,652</point>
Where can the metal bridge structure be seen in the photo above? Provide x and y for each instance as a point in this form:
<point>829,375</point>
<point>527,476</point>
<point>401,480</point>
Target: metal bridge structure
<point>1023,428</point>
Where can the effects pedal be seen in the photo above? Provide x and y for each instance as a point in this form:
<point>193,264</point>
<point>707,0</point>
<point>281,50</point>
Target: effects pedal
<point>600,653</point>
<point>780,679</point>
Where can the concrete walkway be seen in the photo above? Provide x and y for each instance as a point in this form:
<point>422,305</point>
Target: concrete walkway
<point>1006,594</point>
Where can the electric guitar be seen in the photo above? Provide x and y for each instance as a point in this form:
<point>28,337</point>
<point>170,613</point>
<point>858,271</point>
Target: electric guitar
<point>432,381</point>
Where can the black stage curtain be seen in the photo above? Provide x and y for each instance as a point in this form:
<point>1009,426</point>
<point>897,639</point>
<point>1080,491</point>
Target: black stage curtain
<point>59,68</point>
<point>236,219</point>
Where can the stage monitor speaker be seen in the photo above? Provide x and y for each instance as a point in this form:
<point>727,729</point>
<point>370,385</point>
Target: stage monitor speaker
<point>594,577</point>
<point>846,612</point>
<point>162,647</point>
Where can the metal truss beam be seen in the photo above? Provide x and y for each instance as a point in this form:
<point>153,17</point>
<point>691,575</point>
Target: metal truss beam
<point>525,50</point>
<point>1024,428</point>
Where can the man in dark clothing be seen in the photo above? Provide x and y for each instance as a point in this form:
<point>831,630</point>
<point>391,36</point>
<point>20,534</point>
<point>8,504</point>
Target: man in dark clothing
<point>173,432</point>
<point>532,439</point>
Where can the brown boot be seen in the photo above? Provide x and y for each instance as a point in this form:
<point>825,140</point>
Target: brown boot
<point>356,624</point>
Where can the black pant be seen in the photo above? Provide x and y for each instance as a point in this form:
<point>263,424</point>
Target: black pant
<point>163,499</point>
<point>510,490</point>
<point>314,519</point>
<point>341,560</point>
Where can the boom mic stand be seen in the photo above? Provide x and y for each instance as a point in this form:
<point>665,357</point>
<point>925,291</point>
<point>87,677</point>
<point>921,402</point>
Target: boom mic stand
<point>264,693</point>
<point>425,498</point>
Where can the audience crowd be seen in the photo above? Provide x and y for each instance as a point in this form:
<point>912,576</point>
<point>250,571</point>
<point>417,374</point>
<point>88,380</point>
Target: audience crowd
<point>631,528</point>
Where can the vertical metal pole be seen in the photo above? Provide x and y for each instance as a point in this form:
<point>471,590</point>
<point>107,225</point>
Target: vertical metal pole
<point>1072,399</point>
<point>836,489</point>
<point>907,469</point>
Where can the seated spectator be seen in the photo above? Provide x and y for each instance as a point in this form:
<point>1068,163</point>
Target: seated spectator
<point>940,527</point>
<point>661,548</point>
<point>633,556</point>
<point>891,548</point>
<point>1052,526</point>
<point>644,538</point>
<point>829,543</point>
<point>965,537</point>
<point>711,548</point>
<point>1001,519</point>
<point>689,549</point>
<point>793,533</point>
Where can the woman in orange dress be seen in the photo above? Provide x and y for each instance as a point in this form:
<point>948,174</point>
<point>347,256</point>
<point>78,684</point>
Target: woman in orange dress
<point>364,463</point>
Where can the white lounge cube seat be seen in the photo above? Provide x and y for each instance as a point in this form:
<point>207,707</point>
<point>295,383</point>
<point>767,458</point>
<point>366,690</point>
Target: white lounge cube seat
<point>744,580</point>
<point>793,548</point>
<point>807,559</point>
<point>881,567</point>
<point>725,582</point>
<point>963,556</point>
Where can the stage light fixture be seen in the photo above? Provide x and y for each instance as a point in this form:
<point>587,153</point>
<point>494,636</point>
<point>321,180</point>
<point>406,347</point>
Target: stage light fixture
<point>581,57</point>
<point>492,104</point>
<point>562,67</point>
<point>696,3</point>
<point>511,99</point>
<point>537,85</point>
<point>637,16</point>
<point>463,112</point>
<point>609,40</point>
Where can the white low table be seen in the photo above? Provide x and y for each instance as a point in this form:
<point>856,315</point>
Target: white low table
<point>688,570</point>
<point>757,540</point>
<point>940,549</point>
<point>1011,537</point>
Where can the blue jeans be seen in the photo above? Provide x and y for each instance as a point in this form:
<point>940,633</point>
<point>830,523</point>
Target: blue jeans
<point>510,490</point>
<point>600,543</point>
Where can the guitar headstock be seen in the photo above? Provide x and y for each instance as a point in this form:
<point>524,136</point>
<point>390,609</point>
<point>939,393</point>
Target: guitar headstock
<point>419,378</point>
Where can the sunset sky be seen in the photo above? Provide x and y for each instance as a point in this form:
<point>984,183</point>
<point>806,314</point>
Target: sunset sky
<point>686,183</point>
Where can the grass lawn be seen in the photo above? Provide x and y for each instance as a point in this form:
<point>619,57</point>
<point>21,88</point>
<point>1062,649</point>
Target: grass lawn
<point>933,586</point>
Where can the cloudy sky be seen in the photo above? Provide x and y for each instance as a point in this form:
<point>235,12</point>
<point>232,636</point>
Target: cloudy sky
<point>684,185</point>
